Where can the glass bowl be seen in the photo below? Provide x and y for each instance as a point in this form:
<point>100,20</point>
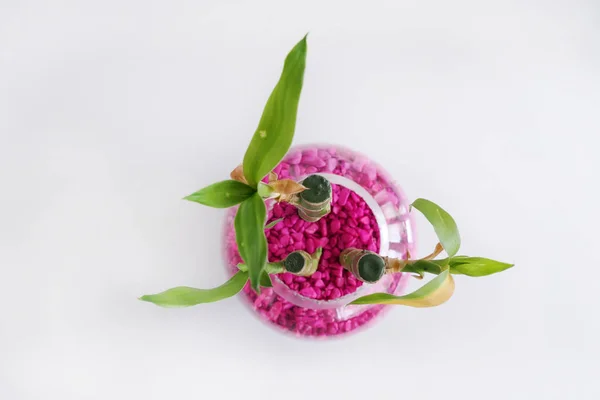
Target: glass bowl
<point>294,313</point>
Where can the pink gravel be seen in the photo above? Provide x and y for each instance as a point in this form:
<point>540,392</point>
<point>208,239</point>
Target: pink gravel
<point>353,225</point>
<point>350,224</point>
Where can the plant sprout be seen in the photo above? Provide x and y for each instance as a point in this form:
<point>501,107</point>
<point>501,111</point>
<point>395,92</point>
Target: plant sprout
<point>254,181</point>
<point>370,267</point>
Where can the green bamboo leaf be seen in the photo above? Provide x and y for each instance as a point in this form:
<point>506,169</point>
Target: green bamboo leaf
<point>270,268</point>
<point>184,296</point>
<point>423,266</point>
<point>443,224</point>
<point>222,194</point>
<point>265,280</point>
<point>250,236</point>
<point>435,292</point>
<point>273,223</point>
<point>476,266</point>
<point>275,131</point>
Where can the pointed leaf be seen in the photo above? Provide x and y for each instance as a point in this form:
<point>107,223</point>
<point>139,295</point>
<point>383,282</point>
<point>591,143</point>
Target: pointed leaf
<point>184,296</point>
<point>222,194</point>
<point>422,266</point>
<point>275,131</point>
<point>435,292</point>
<point>265,280</point>
<point>273,223</point>
<point>443,224</point>
<point>250,236</point>
<point>476,266</point>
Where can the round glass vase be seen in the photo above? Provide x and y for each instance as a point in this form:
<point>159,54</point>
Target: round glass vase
<point>326,310</point>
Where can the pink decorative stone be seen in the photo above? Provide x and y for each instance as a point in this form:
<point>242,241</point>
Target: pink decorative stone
<point>351,223</point>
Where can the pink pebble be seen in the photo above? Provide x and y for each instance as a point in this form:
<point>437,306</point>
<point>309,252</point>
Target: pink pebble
<point>284,240</point>
<point>287,278</point>
<point>370,171</point>
<point>312,228</point>
<point>331,164</point>
<point>316,275</point>
<point>335,293</point>
<point>294,158</point>
<point>332,328</point>
<point>290,211</point>
<point>298,225</point>
<point>365,236</point>
<point>312,152</point>
<point>350,230</point>
<point>275,310</point>
<point>323,154</point>
<point>365,181</point>
<point>297,236</point>
<point>346,238</point>
<point>343,197</point>
<point>310,245</point>
<point>323,227</point>
<point>333,241</point>
<point>335,226</point>
<point>299,246</point>
<point>308,292</point>
<point>359,163</point>
<point>314,161</point>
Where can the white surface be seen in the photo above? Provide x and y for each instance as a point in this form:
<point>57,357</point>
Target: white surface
<point>110,113</point>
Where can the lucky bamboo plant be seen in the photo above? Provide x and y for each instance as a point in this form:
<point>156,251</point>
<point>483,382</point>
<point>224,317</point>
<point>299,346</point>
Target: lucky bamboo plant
<point>253,182</point>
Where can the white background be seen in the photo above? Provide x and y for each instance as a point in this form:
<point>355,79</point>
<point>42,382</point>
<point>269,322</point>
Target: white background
<point>111,111</point>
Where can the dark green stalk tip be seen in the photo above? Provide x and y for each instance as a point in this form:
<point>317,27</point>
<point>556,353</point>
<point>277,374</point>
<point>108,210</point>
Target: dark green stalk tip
<point>371,267</point>
<point>318,189</point>
<point>294,262</point>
